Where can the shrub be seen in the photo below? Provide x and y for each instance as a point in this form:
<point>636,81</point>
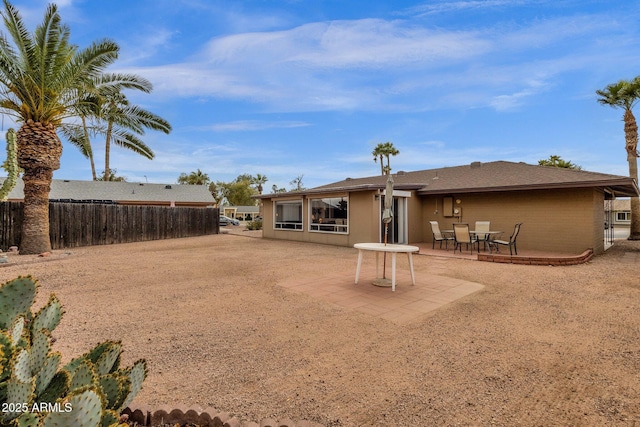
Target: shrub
<point>254,225</point>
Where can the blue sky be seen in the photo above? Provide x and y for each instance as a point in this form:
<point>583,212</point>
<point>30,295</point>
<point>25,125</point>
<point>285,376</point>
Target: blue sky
<point>309,87</point>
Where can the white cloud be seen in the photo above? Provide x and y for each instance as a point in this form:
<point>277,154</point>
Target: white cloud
<point>373,64</point>
<point>253,125</point>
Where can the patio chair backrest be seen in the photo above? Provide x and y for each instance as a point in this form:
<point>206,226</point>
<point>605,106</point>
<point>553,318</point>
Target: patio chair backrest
<point>435,229</point>
<point>483,226</point>
<point>461,231</point>
<point>516,230</point>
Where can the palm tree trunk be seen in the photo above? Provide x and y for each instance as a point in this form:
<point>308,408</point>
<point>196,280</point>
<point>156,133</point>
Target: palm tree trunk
<point>107,152</point>
<point>631,137</point>
<point>39,151</point>
<point>89,150</point>
<point>35,222</point>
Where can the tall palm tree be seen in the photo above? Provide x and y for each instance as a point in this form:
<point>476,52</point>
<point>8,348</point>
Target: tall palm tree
<point>259,180</point>
<point>89,112</point>
<point>124,122</point>
<point>42,76</point>
<point>625,94</point>
<point>382,151</point>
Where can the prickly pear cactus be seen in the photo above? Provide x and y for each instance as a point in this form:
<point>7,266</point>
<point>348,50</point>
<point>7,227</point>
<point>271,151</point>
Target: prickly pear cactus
<point>90,390</point>
<point>11,165</point>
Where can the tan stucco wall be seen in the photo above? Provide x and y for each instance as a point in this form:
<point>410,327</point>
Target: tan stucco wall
<point>565,221</point>
<point>363,221</point>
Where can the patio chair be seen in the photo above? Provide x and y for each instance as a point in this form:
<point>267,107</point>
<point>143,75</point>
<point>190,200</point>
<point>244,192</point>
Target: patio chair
<point>438,236</point>
<point>482,230</point>
<point>511,242</point>
<point>462,235</point>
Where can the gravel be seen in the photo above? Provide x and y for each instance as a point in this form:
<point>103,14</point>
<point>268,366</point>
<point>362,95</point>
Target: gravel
<point>539,345</point>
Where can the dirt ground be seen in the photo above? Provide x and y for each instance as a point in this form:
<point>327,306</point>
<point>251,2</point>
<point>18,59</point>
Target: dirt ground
<point>538,345</point>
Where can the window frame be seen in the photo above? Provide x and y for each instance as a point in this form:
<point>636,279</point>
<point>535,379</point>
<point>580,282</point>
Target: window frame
<point>320,227</point>
<point>288,225</point>
<point>627,216</point>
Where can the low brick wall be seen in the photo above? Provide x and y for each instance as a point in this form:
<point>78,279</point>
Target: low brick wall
<point>538,260</point>
<point>207,418</point>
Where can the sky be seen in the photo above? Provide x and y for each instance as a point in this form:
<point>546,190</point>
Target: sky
<point>308,88</point>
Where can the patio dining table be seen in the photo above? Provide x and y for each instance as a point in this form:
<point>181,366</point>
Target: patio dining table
<point>394,249</point>
<point>489,235</point>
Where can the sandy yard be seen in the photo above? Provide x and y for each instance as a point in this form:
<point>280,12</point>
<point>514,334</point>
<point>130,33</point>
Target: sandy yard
<point>538,345</point>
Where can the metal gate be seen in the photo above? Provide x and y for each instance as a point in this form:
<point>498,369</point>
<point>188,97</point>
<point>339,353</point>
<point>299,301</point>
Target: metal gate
<point>608,222</point>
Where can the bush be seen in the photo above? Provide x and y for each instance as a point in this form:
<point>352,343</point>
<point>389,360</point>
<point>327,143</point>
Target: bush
<point>254,225</point>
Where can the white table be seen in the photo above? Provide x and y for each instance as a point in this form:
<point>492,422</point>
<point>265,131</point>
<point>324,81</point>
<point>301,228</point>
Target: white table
<point>394,249</point>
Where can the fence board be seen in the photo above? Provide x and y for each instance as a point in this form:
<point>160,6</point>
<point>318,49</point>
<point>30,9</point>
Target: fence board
<point>88,224</point>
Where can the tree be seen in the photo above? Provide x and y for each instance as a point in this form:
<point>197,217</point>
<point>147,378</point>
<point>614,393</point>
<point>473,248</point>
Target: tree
<point>194,178</point>
<point>382,151</point>
<point>237,192</point>
<point>258,181</point>
<point>558,162</point>
<point>625,94</point>
<point>297,184</point>
<point>275,189</point>
<point>112,176</point>
<point>121,117</point>
<point>43,78</point>
<point>89,112</point>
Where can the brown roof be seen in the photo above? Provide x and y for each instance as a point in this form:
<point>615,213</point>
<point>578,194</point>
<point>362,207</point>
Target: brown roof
<point>485,177</point>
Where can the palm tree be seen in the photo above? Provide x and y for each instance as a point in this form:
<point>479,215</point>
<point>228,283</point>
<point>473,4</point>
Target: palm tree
<point>258,181</point>
<point>558,162</point>
<point>625,94</point>
<point>384,150</point>
<point>98,89</point>
<point>194,178</point>
<point>42,79</point>
<point>121,117</point>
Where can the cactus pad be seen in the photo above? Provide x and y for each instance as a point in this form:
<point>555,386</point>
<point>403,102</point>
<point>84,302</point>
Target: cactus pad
<point>48,371</point>
<point>137,375</point>
<point>48,316</point>
<point>16,297</point>
<point>39,350</point>
<point>58,387</point>
<point>107,361</point>
<point>85,411</point>
<point>84,375</point>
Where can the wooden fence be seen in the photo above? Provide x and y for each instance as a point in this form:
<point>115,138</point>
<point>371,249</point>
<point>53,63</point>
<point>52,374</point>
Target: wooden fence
<point>86,224</point>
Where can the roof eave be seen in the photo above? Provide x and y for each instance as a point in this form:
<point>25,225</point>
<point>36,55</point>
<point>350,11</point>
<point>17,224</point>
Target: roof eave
<point>339,189</point>
<point>625,187</point>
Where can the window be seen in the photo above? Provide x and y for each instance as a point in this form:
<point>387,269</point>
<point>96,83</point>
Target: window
<point>329,215</point>
<point>288,215</point>
<point>623,216</point>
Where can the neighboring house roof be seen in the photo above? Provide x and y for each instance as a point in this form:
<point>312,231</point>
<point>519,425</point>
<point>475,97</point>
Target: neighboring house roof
<point>483,177</point>
<point>246,209</point>
<point>121,192</point>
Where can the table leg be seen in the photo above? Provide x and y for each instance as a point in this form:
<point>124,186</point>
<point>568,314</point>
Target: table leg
<point>393,271</point>
<point>359,264</point>
<point>377,262</point>
<point>413,277</point>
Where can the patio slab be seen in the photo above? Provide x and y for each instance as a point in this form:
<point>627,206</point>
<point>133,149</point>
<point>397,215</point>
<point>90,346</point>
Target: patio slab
<point>406,304</point>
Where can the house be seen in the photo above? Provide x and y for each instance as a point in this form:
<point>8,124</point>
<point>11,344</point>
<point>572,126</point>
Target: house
<point>562,209</point>
<point>241,213</point>
<point>621,213</point>
<point>128,193</point>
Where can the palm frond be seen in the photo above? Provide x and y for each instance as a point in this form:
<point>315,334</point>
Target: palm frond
<point>76,135</point>
<point>131,142</point>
